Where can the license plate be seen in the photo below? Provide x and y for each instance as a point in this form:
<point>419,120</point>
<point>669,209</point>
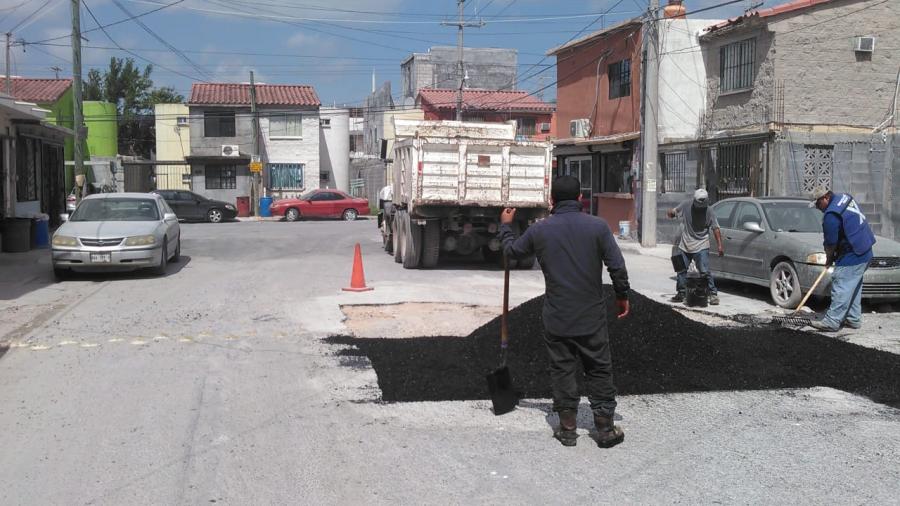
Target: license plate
<point>101,258</point>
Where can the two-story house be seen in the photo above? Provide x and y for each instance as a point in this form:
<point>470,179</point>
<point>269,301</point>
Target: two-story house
<point>532,116</point>
<point>221,130</point>
<point>804,94</point>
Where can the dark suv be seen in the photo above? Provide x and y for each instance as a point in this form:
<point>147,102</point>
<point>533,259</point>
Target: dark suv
<point>189,206</point>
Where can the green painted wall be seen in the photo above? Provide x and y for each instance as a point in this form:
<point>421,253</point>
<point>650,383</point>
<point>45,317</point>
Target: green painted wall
<point>100,119</point>
<point>103,133</point>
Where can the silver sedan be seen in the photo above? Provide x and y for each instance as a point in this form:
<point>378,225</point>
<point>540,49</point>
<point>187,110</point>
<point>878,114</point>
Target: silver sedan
<point>117,232</point>
<point>777,242</point>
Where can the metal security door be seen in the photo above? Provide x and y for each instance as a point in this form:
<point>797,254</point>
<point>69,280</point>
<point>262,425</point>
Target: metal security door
<point>582,168</point>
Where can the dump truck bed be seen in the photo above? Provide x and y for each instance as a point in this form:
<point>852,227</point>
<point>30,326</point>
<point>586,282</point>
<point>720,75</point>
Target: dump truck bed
<point>448,163</point>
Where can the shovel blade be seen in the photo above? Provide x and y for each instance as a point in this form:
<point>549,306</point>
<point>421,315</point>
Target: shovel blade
<point>503,396</point>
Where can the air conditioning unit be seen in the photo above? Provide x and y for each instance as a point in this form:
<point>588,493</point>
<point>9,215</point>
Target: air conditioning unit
<point>182,121</point>
<point>545,127</point>
<point>865,44</point>
<point>579,127</point>
<point>230,150</point>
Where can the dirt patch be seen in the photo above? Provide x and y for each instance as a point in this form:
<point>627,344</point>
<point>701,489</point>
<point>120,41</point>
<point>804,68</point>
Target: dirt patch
<point>416,319</point>
<point>655,350</point>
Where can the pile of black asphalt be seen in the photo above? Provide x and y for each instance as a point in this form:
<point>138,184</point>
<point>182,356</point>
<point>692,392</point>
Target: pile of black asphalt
<point>655,350</point>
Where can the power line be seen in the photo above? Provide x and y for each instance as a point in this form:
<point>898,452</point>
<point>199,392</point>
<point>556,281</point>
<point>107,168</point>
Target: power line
<point>166,6</point>
<point>132,53</point>
<point>153,34</point>
<point>39,9</point>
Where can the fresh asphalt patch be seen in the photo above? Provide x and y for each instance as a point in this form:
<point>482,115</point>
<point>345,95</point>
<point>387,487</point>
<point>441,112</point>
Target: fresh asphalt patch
<point>655,350</point>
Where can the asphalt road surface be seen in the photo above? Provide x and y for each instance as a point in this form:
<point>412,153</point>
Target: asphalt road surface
<point>213,384</point>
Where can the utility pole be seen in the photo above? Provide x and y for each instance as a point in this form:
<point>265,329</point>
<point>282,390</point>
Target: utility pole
<point>77,99</point>
<point>254,188</point>
<point>460,69</point>
<point>56,70</point>
<point>8,77</point>
<point>649,138</point>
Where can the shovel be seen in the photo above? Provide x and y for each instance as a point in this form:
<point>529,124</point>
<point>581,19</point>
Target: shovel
<point>503,395</point>
<point>795,318</point>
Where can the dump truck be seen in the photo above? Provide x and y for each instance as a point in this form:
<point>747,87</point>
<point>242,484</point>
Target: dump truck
<point>450,181</point>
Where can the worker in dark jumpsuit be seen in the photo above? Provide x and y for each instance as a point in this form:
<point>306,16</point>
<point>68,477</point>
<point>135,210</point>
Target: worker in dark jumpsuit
<point>572,247</point>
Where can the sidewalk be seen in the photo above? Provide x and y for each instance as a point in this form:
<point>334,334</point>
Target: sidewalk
<point>663,251</point>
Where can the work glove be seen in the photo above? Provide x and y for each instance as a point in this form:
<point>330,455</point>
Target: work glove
<point>622,308</point>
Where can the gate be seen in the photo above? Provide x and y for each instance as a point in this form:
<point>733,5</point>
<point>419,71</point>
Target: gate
<point>145,176</point>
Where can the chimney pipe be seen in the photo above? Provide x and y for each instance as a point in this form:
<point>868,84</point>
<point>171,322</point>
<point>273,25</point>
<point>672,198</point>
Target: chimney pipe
<point>674,9</point>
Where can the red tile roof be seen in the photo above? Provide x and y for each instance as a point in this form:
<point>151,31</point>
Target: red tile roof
<point>765,13</point>
<point>43,91</point>
<point>482,100</point>
<point>266,94</point>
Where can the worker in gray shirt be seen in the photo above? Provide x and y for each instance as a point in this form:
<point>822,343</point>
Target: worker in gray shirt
<point>697,219</point>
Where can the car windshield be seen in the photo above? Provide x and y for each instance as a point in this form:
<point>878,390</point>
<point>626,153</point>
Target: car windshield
<point>116,209</point>
<point>793,217</point>
<point>308,195</point>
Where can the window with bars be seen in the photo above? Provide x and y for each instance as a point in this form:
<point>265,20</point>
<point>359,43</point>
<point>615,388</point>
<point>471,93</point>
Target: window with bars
<point>218,124</point>
<point>737,169</point>
<point>736,65</point>
<point>286,176</point>
<point>818,163</point>
<point>620,79</point>
<point>525,126</point>
<point>673,167</point>
<point>221,177</point>
<point>27,171</point>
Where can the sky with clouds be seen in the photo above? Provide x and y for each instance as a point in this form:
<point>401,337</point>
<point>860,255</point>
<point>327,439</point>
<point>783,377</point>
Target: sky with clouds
<point>334,45</point>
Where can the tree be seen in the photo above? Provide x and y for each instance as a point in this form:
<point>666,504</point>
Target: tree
<point>131,89</point>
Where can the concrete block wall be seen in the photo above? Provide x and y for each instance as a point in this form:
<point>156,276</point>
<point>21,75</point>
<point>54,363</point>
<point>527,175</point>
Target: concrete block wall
<point>737,109</point>
<point>825,80</point>
<point>305,150</point>
<point>212,146</point>
<point>667,230</point>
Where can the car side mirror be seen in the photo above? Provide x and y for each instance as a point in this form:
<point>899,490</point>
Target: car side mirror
<point>170,217</point>
<point>64,217</point>
<point>752,226</point>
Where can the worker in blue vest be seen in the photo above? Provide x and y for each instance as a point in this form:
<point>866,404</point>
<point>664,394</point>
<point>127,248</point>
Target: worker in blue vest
<point>848,245</point>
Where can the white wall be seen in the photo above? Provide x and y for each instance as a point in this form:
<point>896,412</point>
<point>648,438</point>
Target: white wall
<point>334,146</point>
<point>682,79</point>
<point>304,150</point>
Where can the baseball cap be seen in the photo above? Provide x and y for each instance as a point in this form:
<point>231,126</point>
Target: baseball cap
<point>700,194</point>
<point>818,193</point>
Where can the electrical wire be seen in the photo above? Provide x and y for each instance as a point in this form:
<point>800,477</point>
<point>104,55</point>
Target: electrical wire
<point>25,22</point>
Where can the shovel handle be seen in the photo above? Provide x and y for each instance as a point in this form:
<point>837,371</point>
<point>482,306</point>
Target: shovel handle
<point>504,331</point>
<point>812,288</point>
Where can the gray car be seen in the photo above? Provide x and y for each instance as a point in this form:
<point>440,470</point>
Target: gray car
<point>117,232</point>
<point>777,242</point>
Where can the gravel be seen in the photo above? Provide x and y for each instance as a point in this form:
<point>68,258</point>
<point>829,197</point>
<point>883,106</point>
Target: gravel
<point>655,350</point>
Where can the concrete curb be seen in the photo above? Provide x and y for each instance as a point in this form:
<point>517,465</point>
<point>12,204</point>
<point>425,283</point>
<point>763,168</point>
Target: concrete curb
<point>663,251</point>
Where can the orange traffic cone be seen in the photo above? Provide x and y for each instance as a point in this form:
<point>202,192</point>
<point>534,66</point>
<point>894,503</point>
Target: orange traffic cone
<point>358,278</point>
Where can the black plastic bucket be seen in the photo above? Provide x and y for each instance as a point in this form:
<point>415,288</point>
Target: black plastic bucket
<point>16,235</point>
<point>697,292</point>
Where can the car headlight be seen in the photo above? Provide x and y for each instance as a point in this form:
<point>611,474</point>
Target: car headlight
<point>816,258</point>
<point>229,207</point>
<point>141,240</point>
<point>64,240</point>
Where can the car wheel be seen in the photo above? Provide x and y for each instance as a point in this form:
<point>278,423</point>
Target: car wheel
<point>396,237</point>
<point>214,216</point>
<point>784,285</point>
<point>160,269</point>
<point>177,256</point>
<point>350,215</point>
<point>292,214</point>
<point>431,244</point>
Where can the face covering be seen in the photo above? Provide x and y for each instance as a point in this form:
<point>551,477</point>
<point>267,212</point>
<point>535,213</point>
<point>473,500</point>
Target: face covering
<point>698,215</point>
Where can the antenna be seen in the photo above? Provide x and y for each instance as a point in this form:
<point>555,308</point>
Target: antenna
<point>56,70</point>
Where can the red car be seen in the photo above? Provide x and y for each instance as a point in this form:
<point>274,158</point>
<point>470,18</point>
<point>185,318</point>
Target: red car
<point>321,204</point>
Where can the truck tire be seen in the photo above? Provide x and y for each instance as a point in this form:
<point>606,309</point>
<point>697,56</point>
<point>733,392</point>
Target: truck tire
<point>431,244</point>
<point>491,256</point>
<point>412,242</point>
<point>397,236</point>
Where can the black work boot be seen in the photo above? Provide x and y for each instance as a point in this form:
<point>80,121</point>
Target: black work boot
<point>568,422</point>
<point>608,434</point>
<point>679,297</point>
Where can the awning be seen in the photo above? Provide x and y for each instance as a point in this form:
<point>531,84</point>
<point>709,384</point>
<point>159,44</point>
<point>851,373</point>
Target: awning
<point>595,141</point>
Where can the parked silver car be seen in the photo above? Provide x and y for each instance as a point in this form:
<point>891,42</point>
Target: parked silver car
<point>115,232</point>
<point>777,242</point>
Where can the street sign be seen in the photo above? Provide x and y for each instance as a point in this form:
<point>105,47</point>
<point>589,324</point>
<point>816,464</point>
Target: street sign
<point>255,166</point>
